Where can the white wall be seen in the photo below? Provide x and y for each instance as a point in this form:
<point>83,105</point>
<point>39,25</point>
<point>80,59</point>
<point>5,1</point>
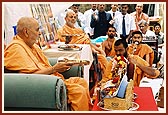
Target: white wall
<point>11,13</point>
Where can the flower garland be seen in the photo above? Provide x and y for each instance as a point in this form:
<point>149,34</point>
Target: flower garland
<point>119,67</point>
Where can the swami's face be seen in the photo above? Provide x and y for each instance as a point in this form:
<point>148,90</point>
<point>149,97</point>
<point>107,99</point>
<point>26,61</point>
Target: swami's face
<point>71,19</point>
<point>120,50</point>
<point>33,34</point>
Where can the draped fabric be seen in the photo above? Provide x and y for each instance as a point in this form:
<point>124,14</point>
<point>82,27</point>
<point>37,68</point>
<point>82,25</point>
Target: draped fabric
<point>142,50</point>
<point>18,56</point>
<point>109,50</point>
<point>80,38</point>
<point>140,17</point>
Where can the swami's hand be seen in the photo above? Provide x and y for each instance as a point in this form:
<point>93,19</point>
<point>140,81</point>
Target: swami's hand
<point>62,66</point>
<point>132,59</point>
<point>102,52</point>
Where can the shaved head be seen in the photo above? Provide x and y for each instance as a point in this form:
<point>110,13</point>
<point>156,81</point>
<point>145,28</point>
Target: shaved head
<point>69,11</point>
<point>25,22</point>
<point>28,30</point>
<point>139,4</point>
<point>70,18</point>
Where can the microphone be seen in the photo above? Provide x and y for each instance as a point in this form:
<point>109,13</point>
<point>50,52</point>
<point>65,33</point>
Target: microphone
<point>135,46</point>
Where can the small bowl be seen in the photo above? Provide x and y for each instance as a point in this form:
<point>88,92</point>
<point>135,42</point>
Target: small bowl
<point>134,107</point>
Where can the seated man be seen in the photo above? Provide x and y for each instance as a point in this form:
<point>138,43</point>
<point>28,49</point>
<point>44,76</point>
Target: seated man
<point>146,32</point>
<point>142,50</point>
<point>77,36</point>
<point>108,44</point>
<point>139,69</point>
<point>159,34</point>
<point>24,55</point>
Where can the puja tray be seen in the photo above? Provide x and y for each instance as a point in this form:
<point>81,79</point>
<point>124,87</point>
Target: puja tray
<point>69,47</point>
<point>75,61</point>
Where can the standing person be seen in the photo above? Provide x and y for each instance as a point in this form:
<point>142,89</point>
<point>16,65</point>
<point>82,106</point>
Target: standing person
<point>114,10</point>
<point>108,44</point>
<point>138,48</point>
<point>80,22</point>
<point>100,21</point>
<point>124,23</point>
<point>139,69</point>
<point>24,55</point>
<point>139,15</point>
<point>88,15</point>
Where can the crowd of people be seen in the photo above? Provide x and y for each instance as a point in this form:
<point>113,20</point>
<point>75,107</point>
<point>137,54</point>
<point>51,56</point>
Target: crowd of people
<point>124,31</point>
<point>96,20</point>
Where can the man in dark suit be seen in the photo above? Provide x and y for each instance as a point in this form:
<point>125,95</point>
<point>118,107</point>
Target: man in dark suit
<point>100,21</point>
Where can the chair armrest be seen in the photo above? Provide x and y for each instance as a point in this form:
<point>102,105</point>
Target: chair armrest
<point>34,91</point>
<point>75,71</point>
<point>52,61</point>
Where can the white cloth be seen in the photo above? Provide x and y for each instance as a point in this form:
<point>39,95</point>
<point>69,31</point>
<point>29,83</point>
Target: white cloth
<point>129,21</point>
<point>148,34</point>
<point>61,19</point>
<point>116,13</point>
<point>12,13</point>
<point>88,15</point>
<point>82,20</point>
<point>160,37</point>
<point>155,84</point>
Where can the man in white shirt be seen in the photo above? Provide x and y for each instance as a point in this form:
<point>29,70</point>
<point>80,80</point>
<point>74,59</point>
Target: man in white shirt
<point>114,10</point>
<point>129,23</point>
<point>80,22</point>
<point>88,15</point>
<point>146,33</point>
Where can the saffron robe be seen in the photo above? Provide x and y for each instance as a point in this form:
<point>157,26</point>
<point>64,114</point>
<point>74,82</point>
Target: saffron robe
<point>138,73</point>
<point>19,56</point>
